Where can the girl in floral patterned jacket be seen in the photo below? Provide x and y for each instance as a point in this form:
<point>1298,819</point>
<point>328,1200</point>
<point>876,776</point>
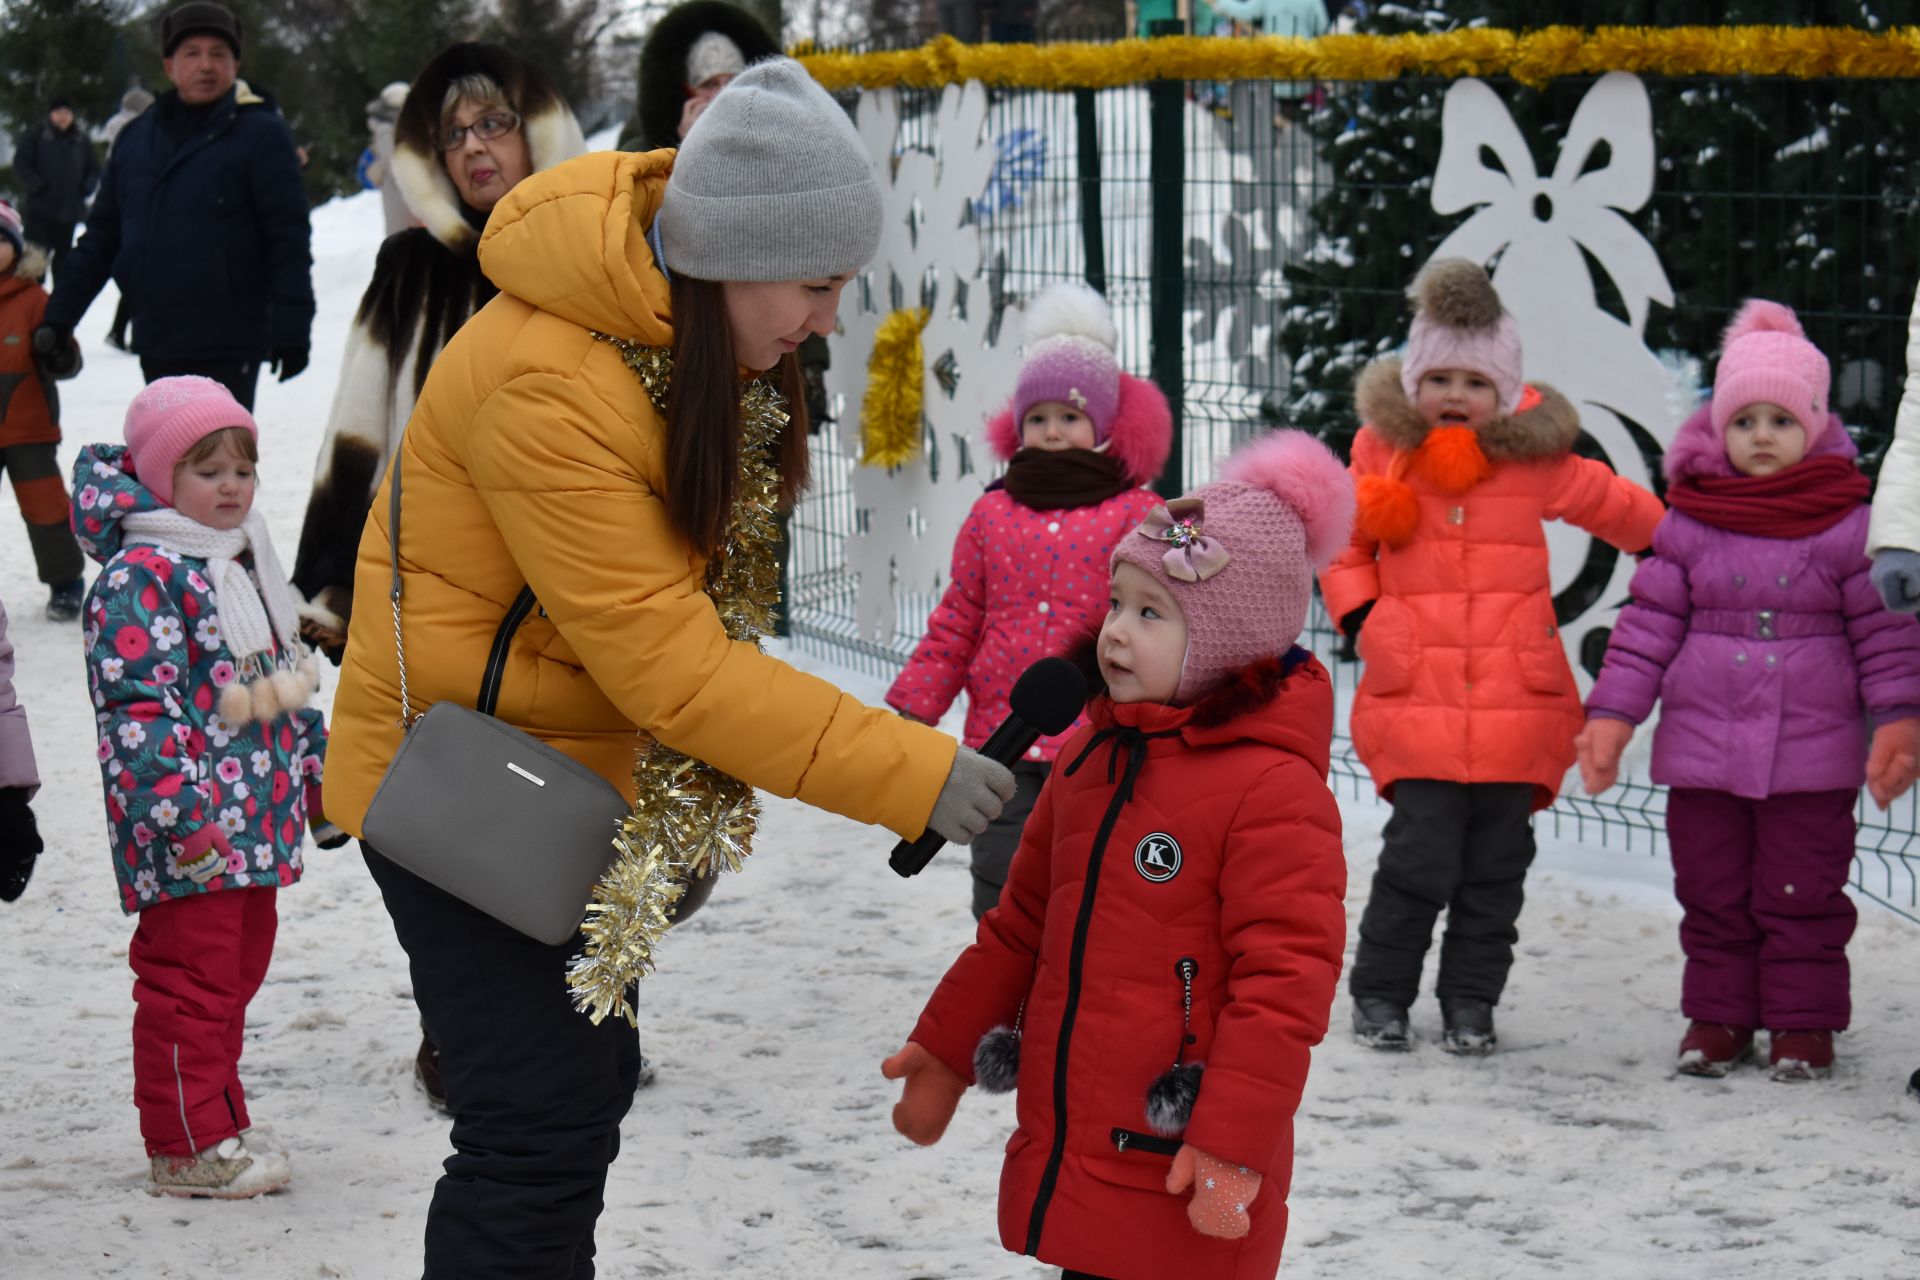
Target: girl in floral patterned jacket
<point>1080,439</point>
<point>211,760</point>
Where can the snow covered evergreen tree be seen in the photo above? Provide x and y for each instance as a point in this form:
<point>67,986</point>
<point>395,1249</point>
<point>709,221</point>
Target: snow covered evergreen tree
<point>1790,189</point>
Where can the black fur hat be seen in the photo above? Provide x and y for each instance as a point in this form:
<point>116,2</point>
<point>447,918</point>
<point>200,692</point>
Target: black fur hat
<point>663,61</point>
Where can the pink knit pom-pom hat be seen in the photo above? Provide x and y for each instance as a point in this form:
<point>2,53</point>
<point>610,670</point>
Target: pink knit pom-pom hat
<point>1766,357</point>
<point>1460,323</point>
<point>1239,555</point>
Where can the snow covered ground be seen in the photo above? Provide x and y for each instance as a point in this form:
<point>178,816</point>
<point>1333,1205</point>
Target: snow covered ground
<point>764,1149</point>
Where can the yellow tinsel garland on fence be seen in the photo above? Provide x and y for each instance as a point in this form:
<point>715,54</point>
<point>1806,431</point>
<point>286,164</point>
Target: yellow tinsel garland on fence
<point>890,410</point>
<point>1531,57</point>
<point>688,819</point>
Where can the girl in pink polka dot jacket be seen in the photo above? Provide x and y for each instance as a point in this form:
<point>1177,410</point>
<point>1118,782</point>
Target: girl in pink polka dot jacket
<point>1080,439</point>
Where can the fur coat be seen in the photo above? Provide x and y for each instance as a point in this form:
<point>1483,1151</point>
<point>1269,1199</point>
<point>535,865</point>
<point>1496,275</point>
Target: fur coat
<point>426,283</point>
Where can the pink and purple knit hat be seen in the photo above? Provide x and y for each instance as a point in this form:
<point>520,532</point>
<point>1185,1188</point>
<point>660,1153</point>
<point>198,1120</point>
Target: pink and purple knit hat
<point>11,230</point>
<point>1239,555</point>
<point>1070,339</point>
<point>169,417</point>
<point>1459,323</point>
<point>1766,357</point>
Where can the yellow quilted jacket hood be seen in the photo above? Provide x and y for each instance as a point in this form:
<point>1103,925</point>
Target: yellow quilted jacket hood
<point>535,458</point>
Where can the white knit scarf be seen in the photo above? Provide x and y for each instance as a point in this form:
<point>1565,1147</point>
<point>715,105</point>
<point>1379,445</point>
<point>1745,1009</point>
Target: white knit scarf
<point>252,614</point>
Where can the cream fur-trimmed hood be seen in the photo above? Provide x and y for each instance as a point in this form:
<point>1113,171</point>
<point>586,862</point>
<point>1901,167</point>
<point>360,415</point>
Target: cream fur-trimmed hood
<point>552,133</point>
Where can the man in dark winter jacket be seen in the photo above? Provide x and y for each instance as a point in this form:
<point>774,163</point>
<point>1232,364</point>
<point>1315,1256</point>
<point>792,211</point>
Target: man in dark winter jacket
<point>57,171</point>
<point>202,221</point>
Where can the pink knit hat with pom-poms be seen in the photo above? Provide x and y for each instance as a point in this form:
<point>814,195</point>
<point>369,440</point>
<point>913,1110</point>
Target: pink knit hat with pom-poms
<point>1766,357</point>
<point>1070,358</point>
<point>1460,323</point>
<point>1070,340</point>
<point>1239,555</point>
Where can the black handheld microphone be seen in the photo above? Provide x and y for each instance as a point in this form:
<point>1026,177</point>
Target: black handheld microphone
<point>1045,700</point>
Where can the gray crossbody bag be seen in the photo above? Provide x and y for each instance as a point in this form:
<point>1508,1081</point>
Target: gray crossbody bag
<point>491,815</point>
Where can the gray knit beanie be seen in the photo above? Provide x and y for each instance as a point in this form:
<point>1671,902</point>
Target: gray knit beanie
<point>771,183</point>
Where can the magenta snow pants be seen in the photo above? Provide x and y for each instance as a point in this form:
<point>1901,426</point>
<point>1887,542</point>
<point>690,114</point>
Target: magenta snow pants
<point>1763,884</point>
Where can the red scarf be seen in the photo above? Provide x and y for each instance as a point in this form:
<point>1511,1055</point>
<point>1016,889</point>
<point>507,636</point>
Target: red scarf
<point>1795,503</point>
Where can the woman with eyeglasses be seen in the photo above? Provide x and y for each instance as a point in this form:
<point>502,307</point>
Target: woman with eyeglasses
<point>477,121</point>
<point>613,436</point>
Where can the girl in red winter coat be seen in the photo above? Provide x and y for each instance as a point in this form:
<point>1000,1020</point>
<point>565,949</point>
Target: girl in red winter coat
<point>1165,953</point>
<point>1079,439</point>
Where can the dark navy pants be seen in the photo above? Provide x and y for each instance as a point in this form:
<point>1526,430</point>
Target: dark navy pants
<point>537,1091</point>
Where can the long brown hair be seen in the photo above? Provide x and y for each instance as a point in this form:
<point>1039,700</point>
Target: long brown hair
<point>703,418</point>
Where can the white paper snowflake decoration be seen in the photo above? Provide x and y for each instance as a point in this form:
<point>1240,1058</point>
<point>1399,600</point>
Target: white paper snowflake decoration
<point>937,164</point>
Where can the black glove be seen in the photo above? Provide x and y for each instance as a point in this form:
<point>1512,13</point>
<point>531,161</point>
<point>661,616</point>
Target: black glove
<point>288,362</point>
<point>19,842</point>
<point>1350,632</point>
<point>56,350</point>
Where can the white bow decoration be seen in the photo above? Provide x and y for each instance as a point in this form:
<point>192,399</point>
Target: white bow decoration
<point>1538,238</point>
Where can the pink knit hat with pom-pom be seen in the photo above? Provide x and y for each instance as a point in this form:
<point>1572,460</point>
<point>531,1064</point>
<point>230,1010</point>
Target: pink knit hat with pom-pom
<point>1460,323</point>
<point>1070,358</point>
<point>1239,555</point>
<point>1766,357</point>
<point>1070,340</point>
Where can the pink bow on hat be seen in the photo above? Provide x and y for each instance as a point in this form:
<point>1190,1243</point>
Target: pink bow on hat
<point>1193,557</point>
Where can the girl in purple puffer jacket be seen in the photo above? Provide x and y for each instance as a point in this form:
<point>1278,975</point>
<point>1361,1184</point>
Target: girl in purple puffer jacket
<point>1755,625</point>
<point>1080,439</point>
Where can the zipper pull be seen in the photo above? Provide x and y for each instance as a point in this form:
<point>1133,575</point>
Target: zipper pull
<point>1186,967</point>
<point>1120,1139</point>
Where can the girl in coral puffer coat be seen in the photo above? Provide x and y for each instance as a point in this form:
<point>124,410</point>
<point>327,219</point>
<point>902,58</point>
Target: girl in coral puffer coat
<point>1757,627</point>
<point>1467,709</point>
<point>1079,439</point>
<point>1165,953</point>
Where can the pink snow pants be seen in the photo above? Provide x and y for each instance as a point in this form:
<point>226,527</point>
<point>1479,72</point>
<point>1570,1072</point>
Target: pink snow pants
<point>1767,922</point>
<point>196,963</point>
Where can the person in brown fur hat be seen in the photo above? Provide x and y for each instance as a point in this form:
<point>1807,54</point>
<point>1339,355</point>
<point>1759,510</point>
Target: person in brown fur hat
<point>1467,709</point>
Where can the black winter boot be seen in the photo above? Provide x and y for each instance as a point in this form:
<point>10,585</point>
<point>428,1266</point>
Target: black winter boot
<point>1469,1027</point>
<point>1381,1024</point>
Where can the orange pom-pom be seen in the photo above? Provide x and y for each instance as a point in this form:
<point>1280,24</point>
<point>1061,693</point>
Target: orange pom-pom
<point>1450,459</point>
<point>1388,509</point>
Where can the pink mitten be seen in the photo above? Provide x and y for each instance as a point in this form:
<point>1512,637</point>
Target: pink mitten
<point>1892,762</point>
<point>1221,1192</point>
<point>933,1091</point>
<point>1599,746</point>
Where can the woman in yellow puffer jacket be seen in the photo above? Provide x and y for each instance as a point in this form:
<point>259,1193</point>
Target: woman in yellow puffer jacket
<point>536,458</point>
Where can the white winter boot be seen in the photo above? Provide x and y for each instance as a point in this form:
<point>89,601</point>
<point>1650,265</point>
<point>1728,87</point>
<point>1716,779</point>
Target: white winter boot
<point>228,1170</point>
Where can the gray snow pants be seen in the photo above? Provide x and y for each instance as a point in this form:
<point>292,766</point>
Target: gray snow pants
<point>994,848</point>
<point>1459,847</point>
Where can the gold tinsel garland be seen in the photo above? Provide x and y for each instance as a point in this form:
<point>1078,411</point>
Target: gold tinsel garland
<point>689,819</point>
<point>1531,57</point>
<point>890,410</point>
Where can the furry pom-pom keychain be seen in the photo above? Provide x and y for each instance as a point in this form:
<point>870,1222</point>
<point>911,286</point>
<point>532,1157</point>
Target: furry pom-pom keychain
<point>996,1060</point>
<point>1171,1096</point>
